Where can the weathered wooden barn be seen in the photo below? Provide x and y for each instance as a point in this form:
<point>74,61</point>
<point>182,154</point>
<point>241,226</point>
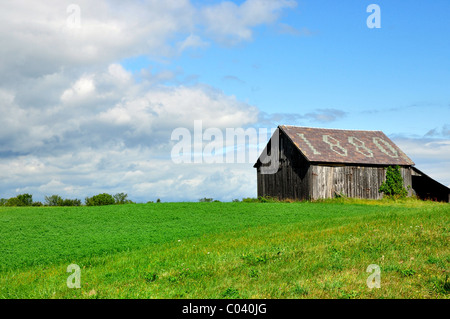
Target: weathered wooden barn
<point>313,163</point>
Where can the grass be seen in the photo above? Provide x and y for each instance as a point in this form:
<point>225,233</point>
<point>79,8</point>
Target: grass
<point>227,250</point>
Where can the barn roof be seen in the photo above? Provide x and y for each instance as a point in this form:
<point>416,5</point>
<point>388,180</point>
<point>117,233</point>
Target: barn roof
<point>346,146</point>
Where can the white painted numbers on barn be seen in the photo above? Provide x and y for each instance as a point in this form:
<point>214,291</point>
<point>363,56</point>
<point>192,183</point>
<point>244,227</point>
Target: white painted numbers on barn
<point>360,146</point>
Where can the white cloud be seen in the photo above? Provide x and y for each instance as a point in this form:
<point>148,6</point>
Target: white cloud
<point>83,87</point>
<point>192,41</point>
<point>119,73</point>
<point>230,23</point>
<point>432,156</point>
<point>85,145</point>
<point>136,171</point>
<point>436,150</point>
<point>40,41</point>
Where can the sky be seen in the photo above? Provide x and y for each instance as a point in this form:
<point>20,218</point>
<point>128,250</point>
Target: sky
<point>91,92</point>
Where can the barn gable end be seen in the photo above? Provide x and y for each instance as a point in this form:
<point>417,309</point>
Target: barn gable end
<point>292,177</point>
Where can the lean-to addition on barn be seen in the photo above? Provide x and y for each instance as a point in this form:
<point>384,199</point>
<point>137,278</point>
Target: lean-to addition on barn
<point>314,163</point>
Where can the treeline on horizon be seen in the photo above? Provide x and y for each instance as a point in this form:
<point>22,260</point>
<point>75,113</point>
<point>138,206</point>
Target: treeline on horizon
<point>117,199</point>
<point>56,200</point>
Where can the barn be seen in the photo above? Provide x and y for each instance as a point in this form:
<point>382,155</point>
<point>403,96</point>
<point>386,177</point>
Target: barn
<point>304,163</point>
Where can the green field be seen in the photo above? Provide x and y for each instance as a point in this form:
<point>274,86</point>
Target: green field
<point>227,250</point>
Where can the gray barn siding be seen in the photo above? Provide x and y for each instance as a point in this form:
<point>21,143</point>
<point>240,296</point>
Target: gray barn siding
<point>319,181</point>
<point>351,181</point>
<point>299,179</point>
<point>292,179</point>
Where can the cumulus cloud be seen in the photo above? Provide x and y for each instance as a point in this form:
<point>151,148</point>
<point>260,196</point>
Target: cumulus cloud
<point>75,122</point>
<point>41,41</point>
<point>431,155</point>
<point>427,148</point>
<point>192,41</point>
<point>106,132</point>
<point>230,23</point>
<point>111,106</point>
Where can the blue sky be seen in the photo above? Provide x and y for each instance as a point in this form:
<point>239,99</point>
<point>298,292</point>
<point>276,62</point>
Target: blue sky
<point>322,55</point>
<point>90,104</point>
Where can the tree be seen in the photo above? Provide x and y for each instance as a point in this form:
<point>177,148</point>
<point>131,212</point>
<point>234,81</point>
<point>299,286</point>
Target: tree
<point>121,198</point>
<point>26,199</point>
<point>393,185</point>
<point>14,201</point>
<point>54,200</point>
<point>20,200</point>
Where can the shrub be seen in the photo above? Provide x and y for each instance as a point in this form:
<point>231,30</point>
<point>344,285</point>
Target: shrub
<point>71,202</point>
<point>158,200</point>
<point>205,200</point>
<point>37,204</point>
<point>3,201</point>
<point>267,199</point>
<point>13,201</point>
<point>100,200</point>
<point>393,185</point>
<point>249,200</point>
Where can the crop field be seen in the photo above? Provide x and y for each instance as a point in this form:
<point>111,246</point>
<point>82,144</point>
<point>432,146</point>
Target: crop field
<point>227,250</point>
